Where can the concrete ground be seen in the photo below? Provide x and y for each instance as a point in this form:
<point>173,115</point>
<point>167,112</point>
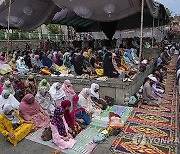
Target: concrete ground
<point>30,147</point>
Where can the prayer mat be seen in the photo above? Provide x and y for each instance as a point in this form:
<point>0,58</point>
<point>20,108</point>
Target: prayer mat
<point>84,144</point>
<point>130,143</point>
<point>36,137</point>
<point>152,129</point>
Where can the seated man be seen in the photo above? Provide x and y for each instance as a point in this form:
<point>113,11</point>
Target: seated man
<point>149,97</point>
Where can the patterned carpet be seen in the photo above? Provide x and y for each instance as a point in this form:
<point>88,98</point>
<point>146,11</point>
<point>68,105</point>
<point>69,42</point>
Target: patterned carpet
<point>152,130</point>
<point>84,144</point>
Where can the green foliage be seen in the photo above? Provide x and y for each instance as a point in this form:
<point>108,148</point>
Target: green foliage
<point>169,13</point>
<point>54,29</point>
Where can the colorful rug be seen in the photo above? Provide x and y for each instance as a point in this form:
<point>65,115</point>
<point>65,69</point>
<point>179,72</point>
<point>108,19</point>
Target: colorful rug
<point>84,144</point>
<point>150,129</point>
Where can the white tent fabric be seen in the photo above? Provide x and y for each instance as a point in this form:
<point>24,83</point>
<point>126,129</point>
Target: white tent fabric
<point>26,14</point>
<point>107,10</point>
<point>101,10</point>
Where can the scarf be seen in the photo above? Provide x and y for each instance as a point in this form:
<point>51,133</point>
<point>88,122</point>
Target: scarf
<point>28,108</point>
<point>68,88</point>
<point>56,94</point>
<point>94,87</point>
<point>67,115</point>
<point>11,117</point>
<point>58,122</point>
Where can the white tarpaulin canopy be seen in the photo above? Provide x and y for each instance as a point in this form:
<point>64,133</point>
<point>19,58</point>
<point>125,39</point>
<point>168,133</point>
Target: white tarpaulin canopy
<point>107,10</point>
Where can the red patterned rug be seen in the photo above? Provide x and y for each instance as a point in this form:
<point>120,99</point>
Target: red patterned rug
<point>151,129</point>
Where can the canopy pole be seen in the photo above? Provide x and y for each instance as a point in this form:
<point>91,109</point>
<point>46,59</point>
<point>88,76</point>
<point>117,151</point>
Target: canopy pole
<point>153,34</point>
<point>141,37</point>
<point>8,40</point>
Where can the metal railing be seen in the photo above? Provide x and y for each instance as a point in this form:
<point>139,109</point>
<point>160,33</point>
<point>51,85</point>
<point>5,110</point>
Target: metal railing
<point>32,36</point>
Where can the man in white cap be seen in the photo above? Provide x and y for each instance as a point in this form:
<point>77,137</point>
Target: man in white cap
<point>149,97</point>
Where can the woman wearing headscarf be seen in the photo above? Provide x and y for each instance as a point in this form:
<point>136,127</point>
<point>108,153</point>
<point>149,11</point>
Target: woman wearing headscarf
<point>12,63</point>
<point>68,89</point>
<point>45,100</point>
<point>79,63</point>
<point>59,127</point>
<point>1,83</point>
<point>44,83</point>
<point>8,86</point>
<point>57,93</point>
<point>67,61</point>
<point>108,67</point>
<point>124,66</point>
<point>7,98</point>
<point>21,66</point>
<point>96,98</point>
<point>66,104</point>
<point>31,85</point>
<point>58,58</point>
<point>12,126</point>
<point>30,110</point>
<point>27,60</point>
<point>19,88</point>
<point>46,61</point>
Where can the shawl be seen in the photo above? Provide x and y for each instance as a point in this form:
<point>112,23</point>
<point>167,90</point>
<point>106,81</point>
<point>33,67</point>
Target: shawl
<point>28,108</point>
<point>44,98</point>
<point>58,122</point>
<point>108,65</point>
<point>8,86</point>
<point>46,61</point>
<point>75,108</point>
<point>12,63</point>
<point>67,115</point>
<point>68,88</point>
<point>44,83</point>
<point>18,84</point>
<point>85,92</point>
<point>66,60</point>
<point>94,87</point>
<point>7,108</point>
<point>56,91</point>
<point>10,100</point>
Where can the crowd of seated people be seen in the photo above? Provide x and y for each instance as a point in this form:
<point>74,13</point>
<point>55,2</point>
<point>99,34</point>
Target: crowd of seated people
<point>154,86</point>
<point>26,106</point>
<point>110,62</point>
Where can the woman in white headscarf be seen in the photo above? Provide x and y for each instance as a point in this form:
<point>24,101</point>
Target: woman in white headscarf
<point>86,102</point>
<point>8,86</point>
<point>57,93</point>
<point>7,98</point>
<point>45,100</point>
<point>21,66</point>
<point>12,126</point>
<point>99,102</point>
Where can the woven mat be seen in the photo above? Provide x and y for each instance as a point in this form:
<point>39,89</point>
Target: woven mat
<point>84,143</point>
<point>151,129</point>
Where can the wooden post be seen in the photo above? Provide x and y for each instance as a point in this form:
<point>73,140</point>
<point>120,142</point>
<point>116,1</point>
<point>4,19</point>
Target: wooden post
<point>141,37</point>
<point>153,34</point>
<point>8,46</point>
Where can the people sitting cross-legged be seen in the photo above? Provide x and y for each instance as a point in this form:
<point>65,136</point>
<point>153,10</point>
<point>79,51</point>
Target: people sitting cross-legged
<point>45,100</point>
<point>149,97</point>
<point>30,110</point>
<point>43,83</point>
<point>57,93</point>
<point>7,98</point>
<point>61,136</point>
<point>12,126</point>
<point>96,98</point>
<point>68,89</point>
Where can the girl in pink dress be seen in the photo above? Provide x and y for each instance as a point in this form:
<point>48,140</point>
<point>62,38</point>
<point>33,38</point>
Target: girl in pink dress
<point>59,127</point>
